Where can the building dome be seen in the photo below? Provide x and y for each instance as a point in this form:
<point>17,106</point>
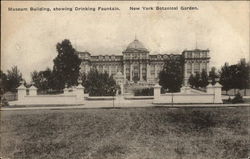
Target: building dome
<point>136,45</point>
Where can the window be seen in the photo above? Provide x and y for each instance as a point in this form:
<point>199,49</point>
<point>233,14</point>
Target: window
<point>127,72</point>
<point>100,68</point>
<point>197,55</point>
<point>127,69</point>
<point>196,67</point>
<point>105,69</point>
<point>189,54</point>
<point>152,70</point>
<point>189,68</point>
<point>204,54</point>
<point>94,67</point>
<point>134,56</point>
<point>158,71</point>
<point>204,66</point>
<point>136,69</point>
<point>113,70</point>
<point>144,72</point>
<point>119,69</point>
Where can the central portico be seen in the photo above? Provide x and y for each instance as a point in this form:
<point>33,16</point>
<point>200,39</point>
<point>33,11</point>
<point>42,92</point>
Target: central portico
<point>136,62</point>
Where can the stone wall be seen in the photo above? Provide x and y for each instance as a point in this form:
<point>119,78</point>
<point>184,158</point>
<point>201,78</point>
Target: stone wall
<point>189,96</point>
<point>74,97</point>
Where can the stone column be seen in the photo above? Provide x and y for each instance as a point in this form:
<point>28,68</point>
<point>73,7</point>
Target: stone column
<point>200,65</point>
<point>141,72</point>
<point>131,72</point>
<point>185,74</point>
<point>33,91</point>
<point>192,67</point>
<point>65,90</point>
<point>210,89</point>
<point>157,92</point>
<point>207,66</point>
<point>116,68</point>
<point>21,92</point>
<point>79,94</point>
<point>217,93</point>
<point>148,72</point>
<point>124,72</point>
<point>155,70</point>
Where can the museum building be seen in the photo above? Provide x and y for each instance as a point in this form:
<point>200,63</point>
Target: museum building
<point>138,66</point>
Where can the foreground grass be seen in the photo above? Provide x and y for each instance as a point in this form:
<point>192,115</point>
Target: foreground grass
<point>138,133</point>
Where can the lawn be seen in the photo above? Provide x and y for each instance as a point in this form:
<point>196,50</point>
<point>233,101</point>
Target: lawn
<point>136,133</point>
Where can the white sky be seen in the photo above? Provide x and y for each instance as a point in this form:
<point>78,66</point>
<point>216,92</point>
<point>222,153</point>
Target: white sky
<point>29,38</point>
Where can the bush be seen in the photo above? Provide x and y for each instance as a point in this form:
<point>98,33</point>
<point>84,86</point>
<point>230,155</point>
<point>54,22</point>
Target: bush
<point>227,101</point>
<point>144,92</point>
<point>237,99</point>
<point>4,101</point>
<point>100,84</point>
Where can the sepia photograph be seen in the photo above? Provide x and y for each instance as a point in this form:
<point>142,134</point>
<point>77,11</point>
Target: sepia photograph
<point>125,80</point>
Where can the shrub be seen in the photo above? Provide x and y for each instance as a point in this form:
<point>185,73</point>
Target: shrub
<point>100,84</point>
<point>4,101</point>
<point>144,92</point>
<point>238,98</point>
<point>227,101</point>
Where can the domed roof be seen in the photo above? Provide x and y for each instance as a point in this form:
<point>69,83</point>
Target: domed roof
<point>136,45</point>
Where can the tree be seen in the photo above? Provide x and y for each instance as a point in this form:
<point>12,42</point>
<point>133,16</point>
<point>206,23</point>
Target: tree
<point>191,80</point>
<point>66,65</point>
<point>243,75</point>
<point>171,77</point>
<point>197,80</point>
<point>100,84</point>
<point>3,82</point>
<point>213,75</point>
<point>14,77</point>
<point>204,79</point>
<point>234,77</point>
<point>225,77</point>
<point>83,77</point>
<point>43,80</point>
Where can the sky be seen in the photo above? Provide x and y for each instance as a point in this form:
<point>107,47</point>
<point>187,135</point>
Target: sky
<point>29,38</point>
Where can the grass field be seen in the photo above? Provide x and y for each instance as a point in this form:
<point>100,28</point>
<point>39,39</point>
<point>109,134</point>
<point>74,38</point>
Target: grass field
<point>136,133</point>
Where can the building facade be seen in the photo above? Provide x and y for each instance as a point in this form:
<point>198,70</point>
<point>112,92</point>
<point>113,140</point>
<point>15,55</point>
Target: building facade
<point>138,66</point>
